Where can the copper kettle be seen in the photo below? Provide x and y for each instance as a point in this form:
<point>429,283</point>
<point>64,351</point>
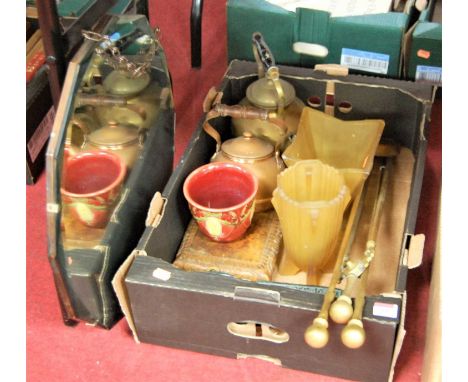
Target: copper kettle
<point>258,156</point>
<point>125,140</point>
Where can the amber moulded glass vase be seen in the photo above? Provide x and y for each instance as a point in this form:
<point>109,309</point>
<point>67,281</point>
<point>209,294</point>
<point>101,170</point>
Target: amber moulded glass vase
<point>310,200</point>
<point>349,146</point>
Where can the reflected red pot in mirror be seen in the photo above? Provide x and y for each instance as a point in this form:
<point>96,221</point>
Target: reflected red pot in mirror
<point>91,184</point>
<point>221,198</point>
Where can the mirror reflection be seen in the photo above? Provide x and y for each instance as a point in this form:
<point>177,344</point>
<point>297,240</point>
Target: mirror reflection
<point>115,106</point>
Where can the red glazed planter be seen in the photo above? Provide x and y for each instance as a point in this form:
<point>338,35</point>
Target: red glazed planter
<point>221,198</point>
<point>91,184</point>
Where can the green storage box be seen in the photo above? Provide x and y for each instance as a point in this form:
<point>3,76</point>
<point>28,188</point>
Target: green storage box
<point>369,44</point>
<point>76,8</point>
<point>424,52</point>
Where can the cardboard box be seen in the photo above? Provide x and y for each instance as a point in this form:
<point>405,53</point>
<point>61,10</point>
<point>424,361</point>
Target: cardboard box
<point>423,54</point>
<point>196,311</point>
<point>39,119</point>
<point>83,264</point>
<point>369,44</point>
<point>39,110</point>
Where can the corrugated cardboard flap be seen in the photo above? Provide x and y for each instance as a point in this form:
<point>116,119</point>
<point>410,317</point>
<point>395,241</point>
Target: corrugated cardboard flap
<point>400,336</point>
<point>416,251</point>
<point>118,283</point>
<point>155,212</point>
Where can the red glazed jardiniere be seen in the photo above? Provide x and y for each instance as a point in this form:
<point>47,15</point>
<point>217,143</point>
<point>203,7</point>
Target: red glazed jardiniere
<point>221,198</point>
<point>91,184</point>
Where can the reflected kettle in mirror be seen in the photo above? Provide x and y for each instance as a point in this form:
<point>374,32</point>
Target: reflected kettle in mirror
<point>125,140</point>
<point>139,108</point>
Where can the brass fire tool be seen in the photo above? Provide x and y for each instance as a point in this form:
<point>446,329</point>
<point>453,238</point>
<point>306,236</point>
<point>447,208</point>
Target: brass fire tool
<point>353,335</point>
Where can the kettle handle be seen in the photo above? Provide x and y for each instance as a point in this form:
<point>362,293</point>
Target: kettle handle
<point>238,111</point>
<point>84,129</point>
<point>262,53</point>
<point>214,108</point>
<point>273,74</point>
<point>142,135</point>
<point>210,130</point>
<point>265,60</point>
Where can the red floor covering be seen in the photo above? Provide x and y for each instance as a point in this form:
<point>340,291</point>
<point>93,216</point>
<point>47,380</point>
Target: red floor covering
<point>84,353</point>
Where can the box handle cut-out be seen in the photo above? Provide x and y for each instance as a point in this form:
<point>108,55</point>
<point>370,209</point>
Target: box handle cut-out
<point>309,49</point>
<point>258,331</point>
<point>264,296</point>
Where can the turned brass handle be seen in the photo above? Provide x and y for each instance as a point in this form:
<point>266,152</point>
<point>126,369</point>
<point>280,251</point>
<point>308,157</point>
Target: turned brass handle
<point>84,99</point>
<point>235,111</point>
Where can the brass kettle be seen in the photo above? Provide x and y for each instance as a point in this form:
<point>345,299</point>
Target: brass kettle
<point>258,156</point>
<point>273,94</point>
<point>140,109</point>
<point>125,140</point>
<point>119,96</point>
<point>121,83</point>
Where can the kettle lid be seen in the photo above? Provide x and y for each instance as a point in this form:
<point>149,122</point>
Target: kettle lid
<point>262,93</point>
<point>247,147</point>
<point>114,134</point>
<point>118,82</point>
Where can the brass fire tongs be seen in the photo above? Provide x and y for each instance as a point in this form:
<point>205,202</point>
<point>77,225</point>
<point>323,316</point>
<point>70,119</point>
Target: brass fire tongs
<point>353,335</point>
<point>214,108</point>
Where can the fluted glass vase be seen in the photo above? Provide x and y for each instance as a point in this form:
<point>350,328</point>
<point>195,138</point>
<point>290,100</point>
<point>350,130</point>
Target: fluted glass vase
<point>310,200</point>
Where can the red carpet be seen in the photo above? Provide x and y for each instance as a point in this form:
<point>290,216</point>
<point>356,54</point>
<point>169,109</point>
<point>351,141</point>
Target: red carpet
<point>84,353</point>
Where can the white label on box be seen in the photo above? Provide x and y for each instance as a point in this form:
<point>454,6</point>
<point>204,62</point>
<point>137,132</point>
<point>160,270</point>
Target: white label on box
<point>39,138</point>
<point>365,61</point>
<point>429,73</point>
<point>53,208</point>
<point>383,309</point>
<point>161,274</point>
<point>337,8</point>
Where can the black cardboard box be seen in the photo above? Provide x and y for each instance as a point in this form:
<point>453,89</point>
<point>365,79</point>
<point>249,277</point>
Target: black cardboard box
<point>40,115</point>
<point>83,274</point>
<point>190,310</point>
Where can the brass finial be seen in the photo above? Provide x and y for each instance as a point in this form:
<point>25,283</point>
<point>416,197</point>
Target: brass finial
<point>341,310</point>
<point>316,335</point>
<point>353,335</point>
